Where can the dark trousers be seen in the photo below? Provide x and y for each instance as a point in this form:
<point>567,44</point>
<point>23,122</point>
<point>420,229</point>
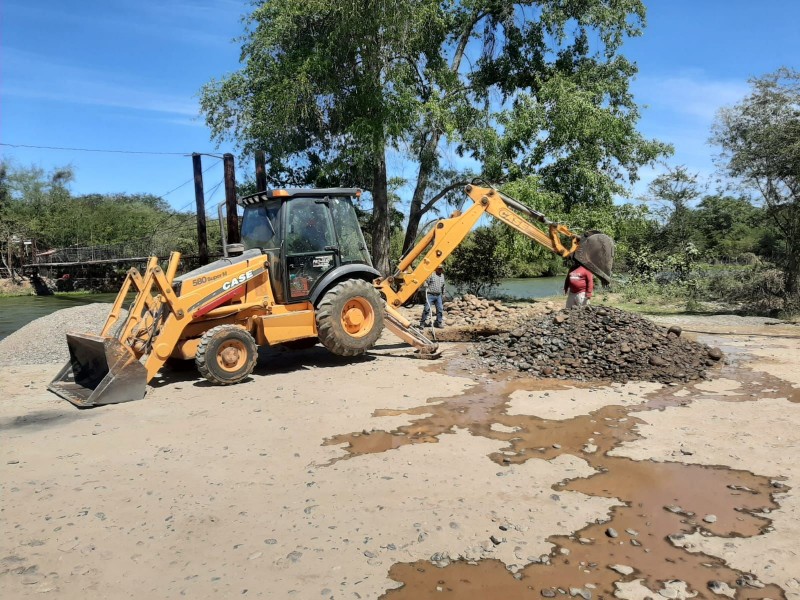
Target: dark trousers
<point>435,299</point>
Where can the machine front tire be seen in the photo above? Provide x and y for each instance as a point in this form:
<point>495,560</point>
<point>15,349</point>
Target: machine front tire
<point>350,318</point>
<point>227,354</point>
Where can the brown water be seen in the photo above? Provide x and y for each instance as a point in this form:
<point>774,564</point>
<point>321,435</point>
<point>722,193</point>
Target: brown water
<point>645,487</point>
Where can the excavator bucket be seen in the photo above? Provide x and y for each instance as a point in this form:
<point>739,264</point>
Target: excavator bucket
<point>596,253</point>
<point>101,370</point>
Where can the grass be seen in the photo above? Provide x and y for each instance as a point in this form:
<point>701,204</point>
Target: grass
<point>12,290</point>
<point>76,293</point>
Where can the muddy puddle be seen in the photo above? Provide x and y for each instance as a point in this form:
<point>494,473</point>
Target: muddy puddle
<point>644,538</point>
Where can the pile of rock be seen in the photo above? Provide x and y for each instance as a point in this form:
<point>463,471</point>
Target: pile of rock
<point>598,343</point>
<point>44,340</point>
<point>472,310</point>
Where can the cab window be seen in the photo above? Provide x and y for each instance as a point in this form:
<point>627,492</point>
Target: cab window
<point>352,247</point>
<point>260,225</point>
<point>309,227</point>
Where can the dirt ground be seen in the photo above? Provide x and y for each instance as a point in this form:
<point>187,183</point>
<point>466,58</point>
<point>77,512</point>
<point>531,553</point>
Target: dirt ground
<point>327,478</point>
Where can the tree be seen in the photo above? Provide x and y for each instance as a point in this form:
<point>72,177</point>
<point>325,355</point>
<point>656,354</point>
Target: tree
<point>728,226</point>
<point>478,264</point>
<point>631,226</point>
<point>760,141</point>
<point>39,206</point>
<point>329,87</point>
<point>677,188</point>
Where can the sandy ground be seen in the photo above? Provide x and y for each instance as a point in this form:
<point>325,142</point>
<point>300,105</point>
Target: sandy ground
<point>202,491</point>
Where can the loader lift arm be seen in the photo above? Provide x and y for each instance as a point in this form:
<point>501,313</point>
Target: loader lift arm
<point>594,250</point>
<point>116,366</point>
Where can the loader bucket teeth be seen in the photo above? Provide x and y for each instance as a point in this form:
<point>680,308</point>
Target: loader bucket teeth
<point>101,370</point>
<point>596,253</point>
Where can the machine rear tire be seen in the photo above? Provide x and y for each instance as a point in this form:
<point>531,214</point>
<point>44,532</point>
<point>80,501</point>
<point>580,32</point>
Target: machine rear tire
<point>227,354</point>
<point>350,318</point>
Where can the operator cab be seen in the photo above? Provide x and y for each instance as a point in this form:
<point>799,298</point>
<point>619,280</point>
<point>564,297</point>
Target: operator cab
<point>306,233</point>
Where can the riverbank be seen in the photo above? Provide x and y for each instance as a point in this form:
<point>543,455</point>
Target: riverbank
<point>662,308</point>
<point>10,289</point>
<point>327,477</point>
<point>18,311</point>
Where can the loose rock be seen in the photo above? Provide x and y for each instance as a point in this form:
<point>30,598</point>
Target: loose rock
<point>621,569</point>
<point>44,340</point>
<point>597,344</point>
<point>721,588</point>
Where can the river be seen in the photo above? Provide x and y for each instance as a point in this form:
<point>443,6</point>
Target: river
<point>534,287</point>
<point>18,311</point>
<point>15,312</point>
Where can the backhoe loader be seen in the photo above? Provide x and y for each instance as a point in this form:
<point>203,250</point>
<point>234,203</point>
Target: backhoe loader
<point>303,276</point>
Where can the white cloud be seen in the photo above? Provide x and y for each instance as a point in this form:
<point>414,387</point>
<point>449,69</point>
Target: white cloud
<point>28,75</point>
<point>695,95</point>
<point>680,109</point>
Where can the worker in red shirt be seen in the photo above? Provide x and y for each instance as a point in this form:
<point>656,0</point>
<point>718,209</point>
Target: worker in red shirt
<point>578,286</point>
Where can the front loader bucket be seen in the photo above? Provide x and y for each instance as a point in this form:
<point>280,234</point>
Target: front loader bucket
<point>101,370</point>
<point>596,253</point>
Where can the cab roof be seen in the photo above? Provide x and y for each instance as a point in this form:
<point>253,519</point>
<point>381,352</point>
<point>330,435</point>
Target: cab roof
<point>289,193</point>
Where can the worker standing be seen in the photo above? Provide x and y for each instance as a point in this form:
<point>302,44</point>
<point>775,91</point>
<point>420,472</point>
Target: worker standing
<point>578,286</point>
<point>434,294</point>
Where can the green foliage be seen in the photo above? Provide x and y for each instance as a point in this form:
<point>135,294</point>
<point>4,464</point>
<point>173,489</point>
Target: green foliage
<point>757,290</point>
<point>524,257</point>
<point>677,188</point>
<point>39,206</point>
<point>327,88</point>
<point>631,226</point>
<point>477,265</point>
<point>728,228</point>
<point>760,141</point>
<point>679,266</point>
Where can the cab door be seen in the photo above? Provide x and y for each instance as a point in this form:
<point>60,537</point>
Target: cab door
<point>311,248</point>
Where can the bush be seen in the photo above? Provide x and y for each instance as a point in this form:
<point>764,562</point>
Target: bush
<point>757,290</point>
<point>654,292</point>
<point>477,265</point>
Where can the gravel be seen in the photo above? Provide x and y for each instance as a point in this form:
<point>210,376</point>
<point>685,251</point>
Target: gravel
<point>597,344</point>
<point>44,341</point>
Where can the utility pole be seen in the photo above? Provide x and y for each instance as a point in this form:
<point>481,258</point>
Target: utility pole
<point>200,200</point>
<point>230,199</point>
<point>261,173</point>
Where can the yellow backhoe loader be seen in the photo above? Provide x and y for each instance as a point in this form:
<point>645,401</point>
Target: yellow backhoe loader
<point>303,276</point>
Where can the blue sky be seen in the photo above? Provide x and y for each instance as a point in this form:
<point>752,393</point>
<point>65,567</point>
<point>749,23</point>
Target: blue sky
<point>125,75</point>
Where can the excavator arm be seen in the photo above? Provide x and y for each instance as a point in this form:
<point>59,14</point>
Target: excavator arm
<point>594,250</point>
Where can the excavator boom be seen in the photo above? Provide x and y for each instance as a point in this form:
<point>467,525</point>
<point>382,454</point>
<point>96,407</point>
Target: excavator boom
<point>593,249</point>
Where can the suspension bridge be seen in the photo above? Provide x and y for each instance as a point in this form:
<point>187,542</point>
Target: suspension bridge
<point>122,253</point>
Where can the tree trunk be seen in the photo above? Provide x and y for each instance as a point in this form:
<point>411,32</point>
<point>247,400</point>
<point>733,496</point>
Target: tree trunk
<point>380,215</point>
<point>791,273</point>
<point>427,160</point>
<point>415,211</point>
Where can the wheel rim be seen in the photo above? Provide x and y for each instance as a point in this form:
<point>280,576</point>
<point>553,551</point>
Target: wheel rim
<point>358,317</point>
<point>231,356</point>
